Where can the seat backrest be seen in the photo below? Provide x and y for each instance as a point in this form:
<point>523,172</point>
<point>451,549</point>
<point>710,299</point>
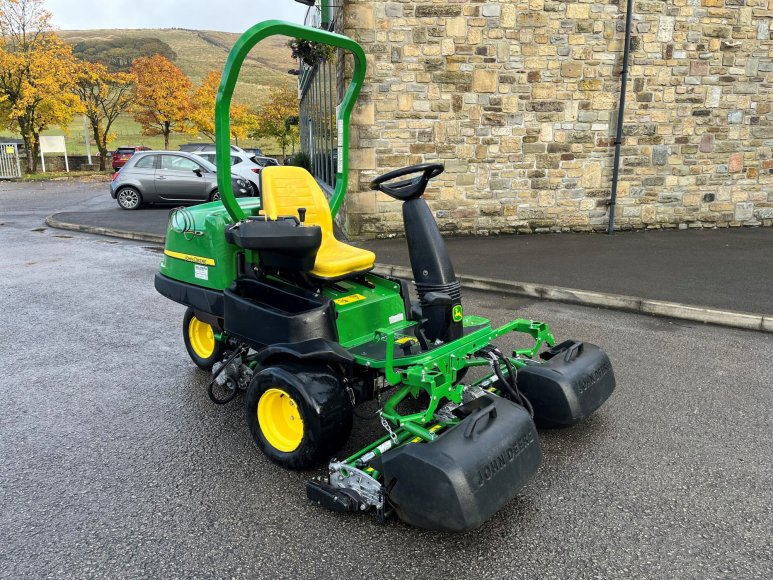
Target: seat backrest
<point>284,189</point>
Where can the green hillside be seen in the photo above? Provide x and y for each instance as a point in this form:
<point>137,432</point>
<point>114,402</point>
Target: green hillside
<point>196,52</point>
<point>199,51</point>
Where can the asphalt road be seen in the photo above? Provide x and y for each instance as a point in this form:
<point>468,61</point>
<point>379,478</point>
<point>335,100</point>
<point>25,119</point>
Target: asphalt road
<point>114,463</point>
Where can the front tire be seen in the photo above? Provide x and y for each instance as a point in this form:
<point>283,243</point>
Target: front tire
<point>128,198</point>
<point>214,196</point>
<point>298,414</point>
<point>200,342</point>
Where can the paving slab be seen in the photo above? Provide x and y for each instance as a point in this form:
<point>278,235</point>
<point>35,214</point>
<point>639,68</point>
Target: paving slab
<point>729,269</point>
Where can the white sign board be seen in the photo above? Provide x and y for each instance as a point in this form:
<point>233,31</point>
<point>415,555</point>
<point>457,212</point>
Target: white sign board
<point>53,144</point>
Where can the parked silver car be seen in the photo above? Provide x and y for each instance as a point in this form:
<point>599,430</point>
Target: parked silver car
<point>169,177</point>
<point>243,164</point>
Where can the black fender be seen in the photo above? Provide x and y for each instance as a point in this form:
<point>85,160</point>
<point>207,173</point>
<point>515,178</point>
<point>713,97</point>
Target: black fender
<point>203,300</point>
<point>315,349</point>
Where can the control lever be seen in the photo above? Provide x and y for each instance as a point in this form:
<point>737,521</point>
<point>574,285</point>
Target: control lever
<point>302,215</point>
<point>418,330</point>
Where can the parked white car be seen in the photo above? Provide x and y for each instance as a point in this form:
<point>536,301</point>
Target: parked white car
<point>243,164</point>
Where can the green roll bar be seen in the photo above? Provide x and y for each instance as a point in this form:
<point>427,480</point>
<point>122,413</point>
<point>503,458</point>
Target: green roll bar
<point>223,106</point>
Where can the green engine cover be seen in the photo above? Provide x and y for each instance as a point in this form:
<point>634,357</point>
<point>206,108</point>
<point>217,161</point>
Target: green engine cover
<point>196,251</point>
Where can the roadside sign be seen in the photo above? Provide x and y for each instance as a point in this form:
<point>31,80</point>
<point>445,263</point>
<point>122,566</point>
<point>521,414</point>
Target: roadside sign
<point>53,144</point>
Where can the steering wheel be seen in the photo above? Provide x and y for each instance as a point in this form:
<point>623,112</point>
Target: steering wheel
<point>408,188</point>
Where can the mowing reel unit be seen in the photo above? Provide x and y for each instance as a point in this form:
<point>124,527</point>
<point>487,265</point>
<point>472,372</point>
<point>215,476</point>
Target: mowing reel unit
<point>281,310</point>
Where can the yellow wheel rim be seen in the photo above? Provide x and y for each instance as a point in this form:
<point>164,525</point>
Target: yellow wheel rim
<point>202,338</point>
<point>280,420</point>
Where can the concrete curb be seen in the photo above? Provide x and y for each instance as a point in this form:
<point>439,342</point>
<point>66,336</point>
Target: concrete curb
<point>113,233</point>
<point>660,308</point>
<point>646,306</point>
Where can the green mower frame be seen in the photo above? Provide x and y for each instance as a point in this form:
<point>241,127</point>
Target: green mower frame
<point>309,349</point>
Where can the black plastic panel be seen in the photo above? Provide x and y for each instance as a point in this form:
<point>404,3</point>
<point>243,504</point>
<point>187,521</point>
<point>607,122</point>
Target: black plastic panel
<point>572,383</point>
<point>201,299</point>
<point>432,269</point>
<point>265,312</point>
<point>283,244</point>
<point>458,481</point>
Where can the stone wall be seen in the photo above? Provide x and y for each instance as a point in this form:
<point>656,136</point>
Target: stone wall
<point>519,100</point>
<point>55,162</point>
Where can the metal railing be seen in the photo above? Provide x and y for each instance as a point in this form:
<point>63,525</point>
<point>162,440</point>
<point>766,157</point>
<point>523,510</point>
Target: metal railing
<point>319,89</point>
<point>10,166</point>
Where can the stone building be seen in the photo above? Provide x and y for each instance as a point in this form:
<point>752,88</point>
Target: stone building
<point>519,99</point>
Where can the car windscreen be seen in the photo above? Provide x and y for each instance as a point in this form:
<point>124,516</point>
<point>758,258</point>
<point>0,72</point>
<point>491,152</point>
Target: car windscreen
<point>124,150</point>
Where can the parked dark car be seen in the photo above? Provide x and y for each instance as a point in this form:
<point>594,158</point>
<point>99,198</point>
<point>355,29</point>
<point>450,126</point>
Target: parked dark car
<point>169,177</point>
<point>123,154</point>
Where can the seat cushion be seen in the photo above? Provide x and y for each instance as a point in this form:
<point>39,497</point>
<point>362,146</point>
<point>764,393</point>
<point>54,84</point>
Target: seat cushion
<point>284,189</point>
<point>336,260</point>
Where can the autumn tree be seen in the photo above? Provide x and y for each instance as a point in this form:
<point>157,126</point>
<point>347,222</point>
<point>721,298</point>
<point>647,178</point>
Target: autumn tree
<point>37,72</point>
<point>162,97</point>
<point>243,122</point>
<point>104,96</point>
<point>203,114</point>
<point>275,118</point>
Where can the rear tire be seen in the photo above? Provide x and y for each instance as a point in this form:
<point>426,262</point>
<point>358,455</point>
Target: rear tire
<point>200,342</point>
<point>298,413</point>
<point>128,198</point>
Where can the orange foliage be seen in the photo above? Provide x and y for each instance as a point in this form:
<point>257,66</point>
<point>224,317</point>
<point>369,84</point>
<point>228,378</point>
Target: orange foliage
<point>37,71</point>
<point>203,115</point>
<point>104,96</point>
<point>162,97</point>
<point>275,116</point>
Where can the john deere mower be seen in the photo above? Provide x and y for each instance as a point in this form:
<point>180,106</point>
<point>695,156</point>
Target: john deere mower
<point>280,308</point>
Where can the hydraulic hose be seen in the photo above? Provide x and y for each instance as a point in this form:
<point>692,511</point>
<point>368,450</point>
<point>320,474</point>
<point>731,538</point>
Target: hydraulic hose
<point>210,387</point>
<point>508,382</point>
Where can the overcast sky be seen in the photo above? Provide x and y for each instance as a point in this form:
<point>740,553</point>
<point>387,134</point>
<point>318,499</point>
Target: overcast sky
<point>229,15</point>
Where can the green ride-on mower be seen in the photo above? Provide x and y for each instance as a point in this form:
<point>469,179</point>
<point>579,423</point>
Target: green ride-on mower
<point>281,309</point>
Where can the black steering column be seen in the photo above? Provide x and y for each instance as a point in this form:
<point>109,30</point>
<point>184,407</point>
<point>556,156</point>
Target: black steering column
<point>440,312</point>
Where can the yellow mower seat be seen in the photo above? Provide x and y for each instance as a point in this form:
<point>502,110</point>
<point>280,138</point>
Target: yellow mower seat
<point>283,190</point>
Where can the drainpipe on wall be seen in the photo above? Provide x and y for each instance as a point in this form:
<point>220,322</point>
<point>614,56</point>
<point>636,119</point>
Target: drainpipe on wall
<point>620,117</point>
